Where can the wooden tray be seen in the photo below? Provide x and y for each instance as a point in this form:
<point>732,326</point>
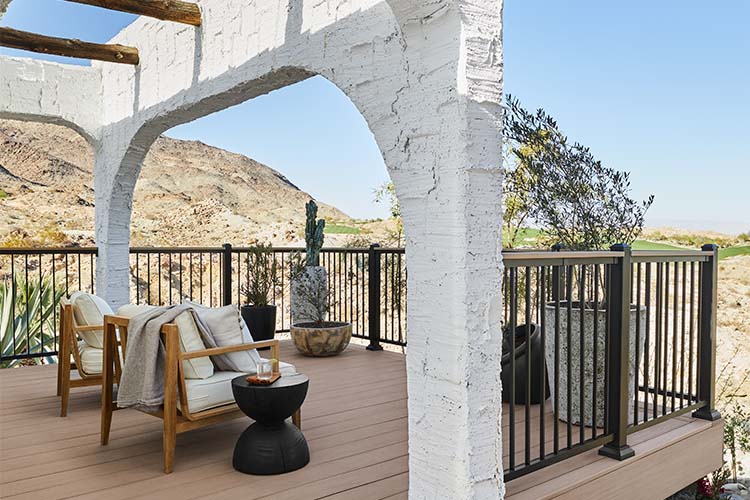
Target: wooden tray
<point>254,380</point>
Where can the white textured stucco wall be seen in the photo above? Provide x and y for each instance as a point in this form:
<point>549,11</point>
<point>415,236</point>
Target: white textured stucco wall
<point>426,76</point>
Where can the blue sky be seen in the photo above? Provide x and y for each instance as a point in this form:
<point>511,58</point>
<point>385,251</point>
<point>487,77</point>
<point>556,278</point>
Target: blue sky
<point>660,89</point>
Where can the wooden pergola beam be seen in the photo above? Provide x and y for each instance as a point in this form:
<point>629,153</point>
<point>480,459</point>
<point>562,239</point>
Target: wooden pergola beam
<point>166,10</point>
<point>34,42</point>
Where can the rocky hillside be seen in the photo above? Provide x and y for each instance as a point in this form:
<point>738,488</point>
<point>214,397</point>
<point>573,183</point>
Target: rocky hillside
<point>188,193</point>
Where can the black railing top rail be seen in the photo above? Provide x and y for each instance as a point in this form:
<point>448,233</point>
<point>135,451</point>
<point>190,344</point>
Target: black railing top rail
<point>671,255</point>
<point>523,258</point>
<point>48,250</point>
<point>175,249</point>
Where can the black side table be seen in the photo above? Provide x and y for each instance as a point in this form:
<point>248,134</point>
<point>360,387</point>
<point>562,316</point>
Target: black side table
<point>271,445</point>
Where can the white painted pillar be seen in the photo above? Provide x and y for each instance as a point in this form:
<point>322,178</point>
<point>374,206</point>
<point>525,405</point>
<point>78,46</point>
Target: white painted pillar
<point>116,171</point>
<point>447,171</point>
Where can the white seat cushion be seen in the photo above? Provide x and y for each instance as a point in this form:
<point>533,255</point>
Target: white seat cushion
<point>89,310</point>
<point>91,358</point>
<point>217,390</point>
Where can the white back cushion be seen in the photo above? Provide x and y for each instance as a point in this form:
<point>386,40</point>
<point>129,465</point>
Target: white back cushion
<point>226,327</point>
<point>132,310</point>
<point>190,340</point>
<point>89,310</point>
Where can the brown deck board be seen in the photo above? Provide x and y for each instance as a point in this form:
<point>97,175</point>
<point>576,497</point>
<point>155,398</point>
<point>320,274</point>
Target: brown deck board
<point>354,418</point>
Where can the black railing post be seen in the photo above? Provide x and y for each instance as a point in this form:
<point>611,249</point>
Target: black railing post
<point>226,273</point>
<point>373,294</point>
<point>707,335</point>
<point>618,356</point>
<point>556,281</point>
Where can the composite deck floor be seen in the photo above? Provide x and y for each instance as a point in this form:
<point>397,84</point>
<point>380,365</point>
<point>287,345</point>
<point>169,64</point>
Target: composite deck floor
<point>354,418</point>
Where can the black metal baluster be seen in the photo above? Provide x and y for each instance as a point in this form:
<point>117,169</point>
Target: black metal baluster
<point>647,343</point>
<point>210,279</point>
<point>675,324</point>
<point>682,335</point>
<point>691,333</point>
<point>41,305</point>
<point>67,276</point>
<point>91,271</point>
<point>54,306</point>
<point>527,408</point>
<point>14,291</point>
<point>26,299</point>
<point>657,348</point>
<point>569,358</point>
<point>158,277</point>
<point>665,350</point>
<point>137,279</point>
<point>541,292</point>
<point>148,277</point>
<point>582,354</point>
<point>595,354</point>
<point>637,343</point>
<point>556,279</point>
<point>512,334</point>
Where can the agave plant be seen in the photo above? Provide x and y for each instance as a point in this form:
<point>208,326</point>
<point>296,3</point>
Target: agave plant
<point>27,319</point>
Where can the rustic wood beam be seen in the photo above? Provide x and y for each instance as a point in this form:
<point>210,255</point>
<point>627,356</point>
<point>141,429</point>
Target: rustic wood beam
<point>24,40</point>
<point>166,10</point>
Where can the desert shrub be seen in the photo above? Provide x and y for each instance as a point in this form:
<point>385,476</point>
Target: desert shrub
<point>27,319</point>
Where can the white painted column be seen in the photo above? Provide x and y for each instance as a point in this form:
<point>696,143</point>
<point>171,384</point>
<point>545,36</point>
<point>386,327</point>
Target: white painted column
<point>446,167</point>
<point>116,171</point>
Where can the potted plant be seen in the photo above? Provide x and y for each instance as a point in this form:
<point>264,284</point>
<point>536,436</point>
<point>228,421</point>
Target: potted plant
<point>581,205</point>
<point>313,334</point>
<point>258,312</point>
<point>307,274</point>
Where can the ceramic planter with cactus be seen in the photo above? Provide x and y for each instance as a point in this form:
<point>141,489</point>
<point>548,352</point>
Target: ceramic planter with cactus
<point>312,331</point>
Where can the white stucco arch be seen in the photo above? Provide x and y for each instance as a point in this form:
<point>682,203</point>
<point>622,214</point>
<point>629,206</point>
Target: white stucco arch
<point>426,76</point>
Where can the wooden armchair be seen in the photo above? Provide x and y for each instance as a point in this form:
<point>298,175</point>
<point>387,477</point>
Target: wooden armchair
<point>71,344</point>
<point>175,412</point>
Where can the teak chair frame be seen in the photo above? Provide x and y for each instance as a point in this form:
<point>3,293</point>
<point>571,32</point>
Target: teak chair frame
<point>175,420</point>
<point>68,345</point>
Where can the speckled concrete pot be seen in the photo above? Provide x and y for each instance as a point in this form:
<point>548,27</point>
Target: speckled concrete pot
<point>320,341</point>
<point>311,278</point>
<point>592,372</point>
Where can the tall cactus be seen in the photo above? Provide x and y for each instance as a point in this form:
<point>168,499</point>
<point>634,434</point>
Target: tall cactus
<point>313,234</point>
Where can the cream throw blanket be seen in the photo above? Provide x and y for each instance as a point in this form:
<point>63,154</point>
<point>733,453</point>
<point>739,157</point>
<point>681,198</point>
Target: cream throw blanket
<point>142,380</point>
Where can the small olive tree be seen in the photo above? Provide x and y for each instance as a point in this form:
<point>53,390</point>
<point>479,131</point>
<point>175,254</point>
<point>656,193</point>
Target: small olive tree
<point>575,199</point>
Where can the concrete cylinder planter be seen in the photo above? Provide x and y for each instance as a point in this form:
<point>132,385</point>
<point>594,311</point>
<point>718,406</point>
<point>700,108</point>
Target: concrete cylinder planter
<point>308,287</point>
<point>593,372</point>
<point>328,339</point>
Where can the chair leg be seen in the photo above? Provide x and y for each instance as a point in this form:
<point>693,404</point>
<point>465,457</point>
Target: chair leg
<point>169,443</point>
<point>64,378</point>
<point>297,419</point>
<point>170,396</point>
<point>59,376</point>
<point>107,387</point>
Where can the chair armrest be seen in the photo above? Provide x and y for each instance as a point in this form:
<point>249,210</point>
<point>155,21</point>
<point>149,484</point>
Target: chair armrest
<point>117,320</point>
<point>232,348</point>
<point>88,328</point>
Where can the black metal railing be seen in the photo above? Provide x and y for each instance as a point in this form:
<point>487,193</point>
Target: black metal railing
<point>371,297</point>
<point>598,345</point>
<point>32,281</point>
<point>367,287</point>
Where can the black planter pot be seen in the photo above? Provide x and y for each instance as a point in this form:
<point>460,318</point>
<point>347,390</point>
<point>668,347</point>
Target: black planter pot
<point>261,321</point>
<point>536,359</point>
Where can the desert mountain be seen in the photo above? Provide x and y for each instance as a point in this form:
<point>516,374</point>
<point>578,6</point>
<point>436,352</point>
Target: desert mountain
<point>188,193</point>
